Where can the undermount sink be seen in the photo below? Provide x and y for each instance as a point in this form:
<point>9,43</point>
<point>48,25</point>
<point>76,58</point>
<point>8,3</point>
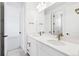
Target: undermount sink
<point>56,42</point>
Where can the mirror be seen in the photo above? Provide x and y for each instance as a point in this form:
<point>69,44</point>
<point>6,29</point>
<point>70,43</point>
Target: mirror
<point>57,23</point>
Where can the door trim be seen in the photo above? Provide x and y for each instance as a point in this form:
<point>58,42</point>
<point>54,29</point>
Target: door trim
<point>2,29</point>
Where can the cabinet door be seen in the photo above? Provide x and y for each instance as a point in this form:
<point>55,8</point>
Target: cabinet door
<point>41,52</point>
<point>45,50</point>
<point>33,47</point>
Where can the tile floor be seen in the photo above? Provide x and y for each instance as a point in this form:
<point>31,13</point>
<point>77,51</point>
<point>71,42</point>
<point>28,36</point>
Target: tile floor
<point>16,52</point>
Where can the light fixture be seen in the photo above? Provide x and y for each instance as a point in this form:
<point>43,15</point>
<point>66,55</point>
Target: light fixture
<point>41,6</point>
<point>77,10</point>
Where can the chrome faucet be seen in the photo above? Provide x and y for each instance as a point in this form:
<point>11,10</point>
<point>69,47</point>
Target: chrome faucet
<point>41,32</point>
<point>59,36</point>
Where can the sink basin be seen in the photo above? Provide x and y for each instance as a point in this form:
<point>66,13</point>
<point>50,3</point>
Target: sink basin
<point>56,42</point>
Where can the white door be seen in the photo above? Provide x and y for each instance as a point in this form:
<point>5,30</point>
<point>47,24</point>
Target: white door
<point>12,17</point>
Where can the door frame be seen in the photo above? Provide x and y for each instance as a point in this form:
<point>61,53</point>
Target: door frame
<point>2,29</point>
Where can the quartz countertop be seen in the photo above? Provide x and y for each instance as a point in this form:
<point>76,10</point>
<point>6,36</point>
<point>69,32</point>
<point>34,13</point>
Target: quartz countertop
<point>68,48</point>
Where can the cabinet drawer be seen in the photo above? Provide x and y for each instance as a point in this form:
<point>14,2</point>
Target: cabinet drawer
<point>50,51</point>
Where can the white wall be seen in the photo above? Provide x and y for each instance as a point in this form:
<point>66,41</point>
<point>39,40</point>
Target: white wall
<point>32,15</point>
<point>40,22</point>
<point>70,19</point>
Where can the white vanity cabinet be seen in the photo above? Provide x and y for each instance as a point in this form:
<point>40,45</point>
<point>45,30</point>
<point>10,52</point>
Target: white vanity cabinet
<point>37,48</point>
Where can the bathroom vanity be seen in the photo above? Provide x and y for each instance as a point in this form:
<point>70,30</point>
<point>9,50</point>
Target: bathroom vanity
<point>39,48</point>
<point>45,46</point>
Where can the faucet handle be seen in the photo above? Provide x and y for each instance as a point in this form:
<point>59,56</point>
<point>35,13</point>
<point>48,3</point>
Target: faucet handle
<point>39,33</point>
<point>61,34</point>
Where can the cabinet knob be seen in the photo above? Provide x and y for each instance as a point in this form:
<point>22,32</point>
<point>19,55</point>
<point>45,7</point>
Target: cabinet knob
<point>29,43</point>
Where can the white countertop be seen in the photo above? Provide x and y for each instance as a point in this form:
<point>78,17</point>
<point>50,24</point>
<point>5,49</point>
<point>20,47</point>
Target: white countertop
<point>67,48</point>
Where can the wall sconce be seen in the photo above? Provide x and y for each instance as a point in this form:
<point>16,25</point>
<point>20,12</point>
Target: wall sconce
<point>77,10</point>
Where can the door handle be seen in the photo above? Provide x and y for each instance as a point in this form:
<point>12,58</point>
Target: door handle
<point>5,36</point>
<point>19,32</point>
